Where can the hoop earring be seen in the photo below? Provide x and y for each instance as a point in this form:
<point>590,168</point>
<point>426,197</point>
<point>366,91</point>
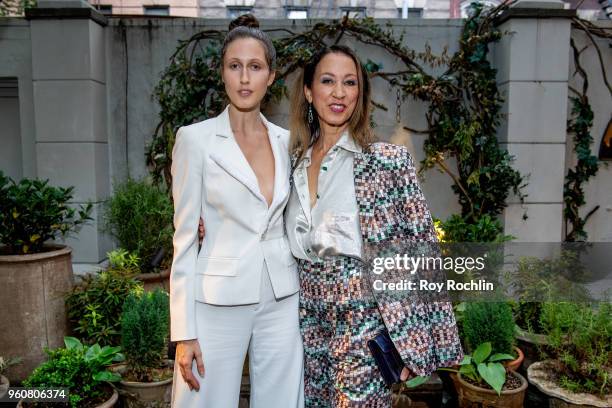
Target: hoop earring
<point>310,114</point>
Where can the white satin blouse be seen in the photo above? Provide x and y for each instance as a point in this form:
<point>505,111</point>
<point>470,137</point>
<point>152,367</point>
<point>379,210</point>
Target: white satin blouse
<point>331,227</point>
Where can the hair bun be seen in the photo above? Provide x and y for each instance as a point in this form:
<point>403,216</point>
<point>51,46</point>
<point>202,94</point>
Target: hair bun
<point>245,20</point>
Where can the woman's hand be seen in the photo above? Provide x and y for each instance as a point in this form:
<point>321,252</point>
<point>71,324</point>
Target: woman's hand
<point>186,351</point>
<point>201,230</point>
<point>405,373</point>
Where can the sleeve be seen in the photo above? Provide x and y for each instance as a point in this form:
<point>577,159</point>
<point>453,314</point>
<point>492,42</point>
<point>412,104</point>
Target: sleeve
<point>187,180</point>
<point>446,345</point>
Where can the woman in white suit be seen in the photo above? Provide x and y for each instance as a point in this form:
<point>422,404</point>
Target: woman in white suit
<point>238,293</point>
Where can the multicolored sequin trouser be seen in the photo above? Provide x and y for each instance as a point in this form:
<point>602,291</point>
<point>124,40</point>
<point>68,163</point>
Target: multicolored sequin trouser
<point>338,315</point>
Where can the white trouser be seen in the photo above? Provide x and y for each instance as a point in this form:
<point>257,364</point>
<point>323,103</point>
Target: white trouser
<point>269,330</point>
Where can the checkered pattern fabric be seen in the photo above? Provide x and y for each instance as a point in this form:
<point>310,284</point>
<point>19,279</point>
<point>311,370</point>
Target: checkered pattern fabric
<point>339,311</point>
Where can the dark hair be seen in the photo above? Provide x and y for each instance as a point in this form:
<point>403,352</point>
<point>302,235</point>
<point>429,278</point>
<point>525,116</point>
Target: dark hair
<point>247,26</point>
<point>304,135</point>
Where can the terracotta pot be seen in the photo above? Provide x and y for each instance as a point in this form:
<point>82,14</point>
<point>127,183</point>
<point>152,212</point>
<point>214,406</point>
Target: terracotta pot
<point>143,394</point>
<point>540,375</point>
<point>33,290</point>
<point>4,385</point>
<point>152,281</point>
<point>474,396</point>
<point>515,364</point>
<point>109,403</point>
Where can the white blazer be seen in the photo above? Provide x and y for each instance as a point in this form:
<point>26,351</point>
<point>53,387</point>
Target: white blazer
<point>212,179</point>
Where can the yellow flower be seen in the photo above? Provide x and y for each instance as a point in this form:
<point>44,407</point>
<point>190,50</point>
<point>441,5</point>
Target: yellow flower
<point>34,238</point>
<point>439,231</point>
<point>15,214</point>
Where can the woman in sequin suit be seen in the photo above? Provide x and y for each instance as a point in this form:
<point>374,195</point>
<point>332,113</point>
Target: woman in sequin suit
<point>349,192</point>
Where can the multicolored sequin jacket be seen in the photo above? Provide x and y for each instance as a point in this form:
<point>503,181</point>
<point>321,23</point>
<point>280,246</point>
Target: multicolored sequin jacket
<point>393,209</point>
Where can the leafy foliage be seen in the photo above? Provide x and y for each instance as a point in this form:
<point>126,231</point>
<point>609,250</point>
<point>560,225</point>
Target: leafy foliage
<point>82,370</point>
<point>32,212</point>
<point>95,305</point>
<point>139,215</point>
<point>586,167</point>
<point>482,367</point>
<point>486,229</point>
<point>580,337</point>
<point>490,322</point>
<point>144,330</point>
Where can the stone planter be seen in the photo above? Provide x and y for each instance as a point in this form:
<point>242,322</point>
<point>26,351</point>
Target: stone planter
<point>474,396</point>
<point>4,385</point>
<point>146,394</point>
<point>152,281</point>
<point>540,375</point>
<point>32,289</point>
<point>109,403</point>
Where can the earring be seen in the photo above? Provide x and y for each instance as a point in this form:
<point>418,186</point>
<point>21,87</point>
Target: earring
<point>310,114</point>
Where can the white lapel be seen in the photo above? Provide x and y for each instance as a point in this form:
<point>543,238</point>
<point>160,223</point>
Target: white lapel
<point>281,165</point>
<point>229,156</point>
<point>300,181</point>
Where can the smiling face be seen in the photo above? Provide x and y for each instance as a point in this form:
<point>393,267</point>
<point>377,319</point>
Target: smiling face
<point>335,90</point>
<point>245,73</point>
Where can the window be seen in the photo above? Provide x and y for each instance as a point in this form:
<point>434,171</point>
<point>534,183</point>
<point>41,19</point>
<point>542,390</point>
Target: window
<point>157,10</point>
<point>105,9</point>
<point>413,12</point>
<point>353,12</point>
<point>297,13</point>
<point>236,11</point>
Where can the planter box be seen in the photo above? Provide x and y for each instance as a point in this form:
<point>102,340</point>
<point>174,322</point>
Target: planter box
<point>539,374</point>
<point>32,290</point>
<point>152,281</point>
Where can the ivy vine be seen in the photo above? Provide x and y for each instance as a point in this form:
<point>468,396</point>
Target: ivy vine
<point>463,102</point>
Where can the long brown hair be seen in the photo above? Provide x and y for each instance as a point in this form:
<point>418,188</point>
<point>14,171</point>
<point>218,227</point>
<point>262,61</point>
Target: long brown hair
<point>304,135</point>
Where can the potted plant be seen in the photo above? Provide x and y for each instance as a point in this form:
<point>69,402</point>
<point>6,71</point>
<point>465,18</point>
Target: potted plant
<point>147,375</point>
<point>84,371</point>
<point>482,380</point>
<point>139,216</point>
<point>491,322</point>
<point>5,363</point>
<point>579,368</point>
<point>96,302</point>
<point>35,275</point>
<point>536,282</point>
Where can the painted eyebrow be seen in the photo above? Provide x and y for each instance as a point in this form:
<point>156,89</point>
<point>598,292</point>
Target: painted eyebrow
<point>234,59</point>
<point>330,74</point>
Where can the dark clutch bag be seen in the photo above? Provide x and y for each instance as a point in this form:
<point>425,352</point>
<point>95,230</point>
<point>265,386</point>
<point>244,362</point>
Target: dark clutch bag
<point>387,357</point>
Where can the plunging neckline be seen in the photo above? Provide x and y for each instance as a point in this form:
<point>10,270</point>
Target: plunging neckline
<point>267,131</point>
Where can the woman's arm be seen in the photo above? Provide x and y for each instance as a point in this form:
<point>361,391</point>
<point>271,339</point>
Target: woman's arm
<point>187,194</point>
<point>443,327</point>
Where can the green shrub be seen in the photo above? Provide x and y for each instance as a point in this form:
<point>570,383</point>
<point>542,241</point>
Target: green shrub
<point>144,331</point>
<point>32,212</point>
<point>580,337</point>
<point>139,215</point>
<point>83,371</point>
<point>489,322</point>
<point>487,229</point>
<point>540,280</point>
<point>95,305</point>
